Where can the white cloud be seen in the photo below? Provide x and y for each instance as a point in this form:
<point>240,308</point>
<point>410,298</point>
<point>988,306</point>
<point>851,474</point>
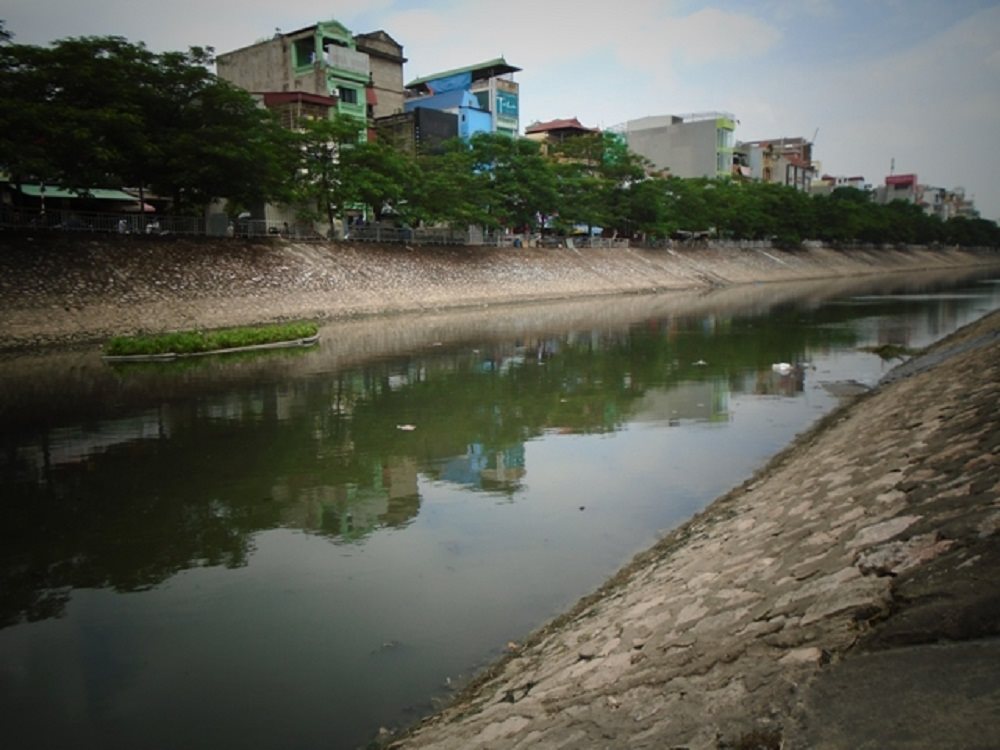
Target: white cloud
<point>639,35</point>
<point>788,10</point>
<point>176,25</point>
<point>934,108</point>
<point>714,36</point>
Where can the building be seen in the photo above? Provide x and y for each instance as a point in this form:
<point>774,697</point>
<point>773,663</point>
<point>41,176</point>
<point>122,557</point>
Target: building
<point>694,145</point>
<point>470,117</point>
<point>318,71</point>
<point>491,84</point>
<point>782,161</point>
<point>955,203</point>
<point>826,184</point>
<point>385,57</point>
<point>421,130</point>
<point>900,187</point>
<point>327,60</point>
<point>293,108</point>
<point>934,201</point>
<point>557,130</point>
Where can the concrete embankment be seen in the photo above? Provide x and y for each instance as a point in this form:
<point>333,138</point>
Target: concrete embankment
<point>847,596</point>
<point>57,289</point>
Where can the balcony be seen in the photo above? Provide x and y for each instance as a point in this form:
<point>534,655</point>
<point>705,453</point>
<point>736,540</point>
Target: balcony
<point>348,60</point>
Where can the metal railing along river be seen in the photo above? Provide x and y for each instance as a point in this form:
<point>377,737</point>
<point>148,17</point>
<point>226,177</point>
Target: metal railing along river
<point>132,223</point>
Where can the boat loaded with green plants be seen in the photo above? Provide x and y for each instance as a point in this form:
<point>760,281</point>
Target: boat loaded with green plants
<point>195,343</point>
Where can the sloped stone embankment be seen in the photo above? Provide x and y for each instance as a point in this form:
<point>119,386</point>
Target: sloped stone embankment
<point>75,288</point>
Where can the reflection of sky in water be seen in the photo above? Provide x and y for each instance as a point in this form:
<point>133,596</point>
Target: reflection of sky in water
<point>525,483</point>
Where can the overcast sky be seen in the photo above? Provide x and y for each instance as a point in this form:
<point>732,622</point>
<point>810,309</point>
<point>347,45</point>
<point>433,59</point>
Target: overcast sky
<point>915,81</point>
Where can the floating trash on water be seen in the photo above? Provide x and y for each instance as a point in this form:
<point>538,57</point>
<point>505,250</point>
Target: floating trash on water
<point>406,427</point>
<point>700,363</point>
<point>782,368</point>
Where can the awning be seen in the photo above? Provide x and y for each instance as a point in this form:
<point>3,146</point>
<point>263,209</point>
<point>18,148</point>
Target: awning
<point>102,194</point>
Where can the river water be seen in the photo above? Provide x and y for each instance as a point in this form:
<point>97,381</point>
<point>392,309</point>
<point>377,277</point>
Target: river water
<point>292,550</point>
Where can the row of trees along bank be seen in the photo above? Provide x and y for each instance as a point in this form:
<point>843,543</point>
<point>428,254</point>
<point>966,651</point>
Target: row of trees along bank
<point>104,112</point>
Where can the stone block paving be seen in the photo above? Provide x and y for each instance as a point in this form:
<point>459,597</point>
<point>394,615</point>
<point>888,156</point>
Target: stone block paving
<point>854,559</point>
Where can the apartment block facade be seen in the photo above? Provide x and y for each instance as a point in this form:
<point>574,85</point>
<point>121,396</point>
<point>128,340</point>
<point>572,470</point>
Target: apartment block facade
<point>363,74</point>
<point>385,58</point>
<point>782,161</point>
<point>934,201</point>
<point>694,145</point>
<point>419,131</point>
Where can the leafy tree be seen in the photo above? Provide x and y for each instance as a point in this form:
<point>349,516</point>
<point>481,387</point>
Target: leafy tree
<point>961,230</point>
<point>449,189</point>
<point>67,116</point>
<point>647,208</point>
<point>582,188</point>
<point>213,140</point>
<point>622,171</point>
<point>322,180</point>
<point>689,204</point>
<point>519,186</point>
<point>380,177</point>
<point>842,216</point>
<point>101,111</point>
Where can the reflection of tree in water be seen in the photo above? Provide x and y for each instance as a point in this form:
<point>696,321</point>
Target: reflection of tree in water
<point>324,454</point>
<point>135,512</point>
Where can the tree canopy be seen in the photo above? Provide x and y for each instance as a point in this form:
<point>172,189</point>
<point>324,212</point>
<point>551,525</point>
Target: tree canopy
<point>93,112</point>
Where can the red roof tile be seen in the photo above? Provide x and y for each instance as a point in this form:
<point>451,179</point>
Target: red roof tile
<point>544,127</point>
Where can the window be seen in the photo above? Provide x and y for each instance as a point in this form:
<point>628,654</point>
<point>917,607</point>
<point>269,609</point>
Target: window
<point>347,96</point>
<point>305,51</point>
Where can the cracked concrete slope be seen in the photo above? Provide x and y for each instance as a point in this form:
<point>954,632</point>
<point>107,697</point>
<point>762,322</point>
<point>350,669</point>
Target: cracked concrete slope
<point>793,611</point>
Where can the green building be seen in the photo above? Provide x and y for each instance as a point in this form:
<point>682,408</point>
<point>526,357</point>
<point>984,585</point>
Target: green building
<point>323,59</point>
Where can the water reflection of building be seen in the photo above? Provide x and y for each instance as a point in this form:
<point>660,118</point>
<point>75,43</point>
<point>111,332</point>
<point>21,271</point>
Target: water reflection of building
<point>73,445</point>
<point>705,401</point>
<point>483,468</point>
<point>353,510</point>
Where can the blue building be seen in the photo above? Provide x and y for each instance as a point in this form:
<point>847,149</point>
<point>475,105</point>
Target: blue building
<point>471,119</point>
<point>491,87</point>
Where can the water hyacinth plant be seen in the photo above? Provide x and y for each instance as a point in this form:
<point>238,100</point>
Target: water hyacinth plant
<point>194,342</point>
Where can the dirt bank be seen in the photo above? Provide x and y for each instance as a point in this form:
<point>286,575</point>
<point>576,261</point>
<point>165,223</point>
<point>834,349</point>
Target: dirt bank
<point>57,289</point>
<point>847,596</point>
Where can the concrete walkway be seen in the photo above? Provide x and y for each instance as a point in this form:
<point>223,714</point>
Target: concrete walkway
<point>848,596</point>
